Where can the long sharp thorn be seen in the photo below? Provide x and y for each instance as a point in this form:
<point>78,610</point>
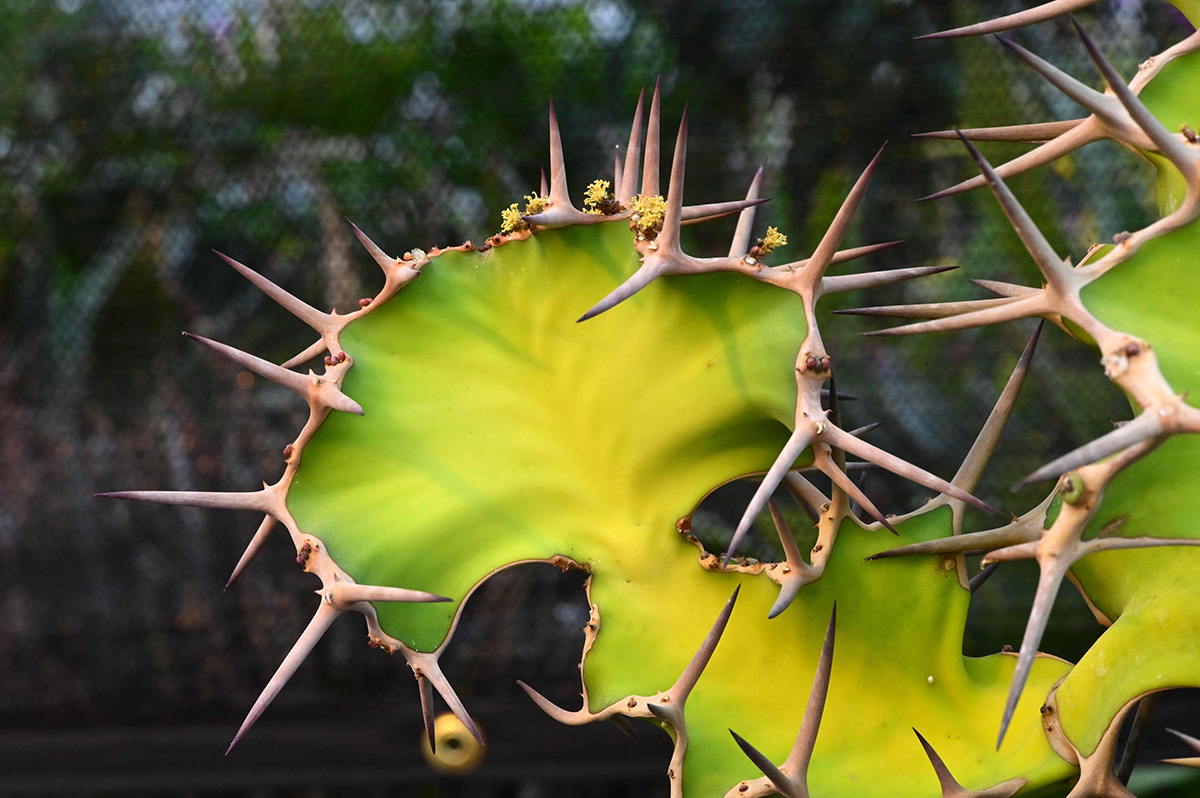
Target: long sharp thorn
<point>673,217</point>
<point>314,318</point>
<point>1137,732</point>
<point>1191,741</point>
<point>981,451</point>
<point>853,282</point>
<point>691,674</point>
<point>806,494</point>
<point>256,544</point>
<point>978,579</point>
<point>308,640</point>
<point>1020,19</point>
<point>790,549</point>
<point>230,500</point>
<point>1038,131</point>
<point>385,262</point>
<point>843,481</point>
<point>263,368</point>
<point>926,310</point>
<point>787,594</point>
<point>558,168</point>
<point>949,784</point>
<point>1052,267</point>
<point>633,155</point>
<point>426,691</point>
<point>1076,90</point>
<point>1047,590</point>
<point>543,186</point>
<point>1019,308</point>
<point>791,450</point>
<point>695,214</point>
<point>823,255</point>
<point>650,163</point>
<point>862,449</point>
<point>1039,156</point>
<point>741,236</point>
<point>550,708</point>
<point>354,592</point>
<point>1145,426</point>
<point>779,781</point>
<point>1171,147</point>
<point>1006,290</point>
<point>645,275</point>
<point>806,739</point>
<point>446,691</point>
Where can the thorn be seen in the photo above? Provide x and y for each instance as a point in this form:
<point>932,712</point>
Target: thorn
<point>1146,426</point>
<point>779,781</point>
<point>256,544</point>
<point>633,154</point>
<point>426,691</point>
<point>949,784</point>
<point>322,323</point>
<point>250,500</point>
<point>1038,131</point>
<point>853,282</point>
<point>1027,17</point>
<point>796,444</point>
<point>1076,90</point>
<point>978,579</point>
<point>382,258</point>
<point>309,638</point>
<point>741,236</point>
<point>691,674</point>
<point>350,593</point>
<point>558,169</point>
<point>622,723</point>
<point>650,163</point>
<point>645,275</point>
<point>673,217</point>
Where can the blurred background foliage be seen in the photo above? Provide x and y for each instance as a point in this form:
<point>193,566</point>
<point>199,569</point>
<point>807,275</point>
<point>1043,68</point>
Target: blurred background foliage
<point>136,135</point>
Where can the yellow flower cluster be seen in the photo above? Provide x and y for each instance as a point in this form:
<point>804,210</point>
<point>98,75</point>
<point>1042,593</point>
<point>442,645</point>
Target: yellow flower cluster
<point>510,217</point>
<point>648,214</point>
<point>597,197</point>
<point>772,240</point>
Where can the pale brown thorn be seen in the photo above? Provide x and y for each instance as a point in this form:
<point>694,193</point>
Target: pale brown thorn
<point>796,444</point>
<point>1190,761</point>
<point>427,665</point>
<point>810,499</point>
<point>1053,269</point>
<point>261,500</point>
<point>252,550</point>
<point>1020,530</point>
<point>843,481</point>
<point>650,163</point>
<point>853,282</point>
<point>311,351</point>
<point>426,691</point>
<point>628,185</point>
<point>981,451</point>
<point>558,167</point>
<point>646,274</point>
<point>328,395</point>
<point>1007,290</point>
<point>322,323</point>
<point>350,592</point>
<point>695,214</point>
<point>865,451</point>
<point>1076,90</point>
<point>778,780</point>
<point>823,255</point>
<point>927,310</point>
<point>1146,426</point>
<point>309,638</point>
<point>386,262</point>
<point>669,237</point>
<point>1035,305</point>
<point>543,186</point>
<point>1036,132</point>
<point>554,710</point>
<point>952,789</point>
<point>1029,16</point>
<point>1171,147</point>
<point>741,236</point>
<point>691,674</point>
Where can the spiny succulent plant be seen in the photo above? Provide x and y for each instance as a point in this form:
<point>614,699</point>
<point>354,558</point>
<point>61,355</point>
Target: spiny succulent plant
<point>569,391</point>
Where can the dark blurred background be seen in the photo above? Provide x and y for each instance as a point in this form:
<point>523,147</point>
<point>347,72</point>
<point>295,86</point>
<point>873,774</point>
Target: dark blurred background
<point>137,135</point>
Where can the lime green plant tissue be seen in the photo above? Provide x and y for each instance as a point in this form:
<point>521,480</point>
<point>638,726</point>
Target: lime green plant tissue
<point>569,391</point>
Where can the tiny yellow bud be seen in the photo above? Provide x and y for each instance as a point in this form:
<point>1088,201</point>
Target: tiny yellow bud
<point>648,214</point>
<point>772,240</point>
<point>597,198</point>
<point>511,220</point>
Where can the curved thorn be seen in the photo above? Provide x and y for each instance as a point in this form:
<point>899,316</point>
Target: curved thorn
<point>780,782</point>
<point>1145,426</point>
<point>1029,16</point>
<point>797,762</point>
<point>948,783</point>
<point>741,236</point>
<point>796,444</point>
<point>309,638</point>
<point>252,550</point>
<point>549,707</point>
